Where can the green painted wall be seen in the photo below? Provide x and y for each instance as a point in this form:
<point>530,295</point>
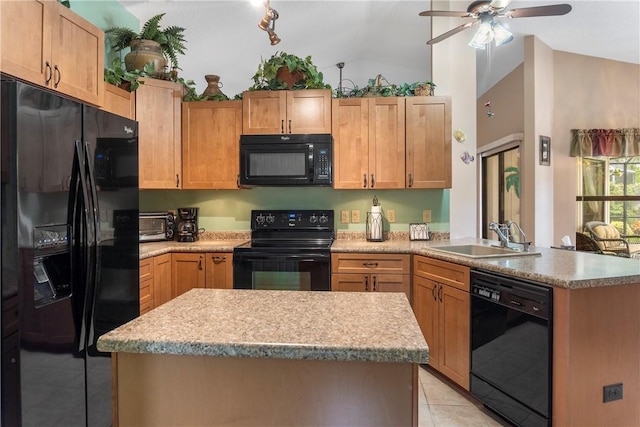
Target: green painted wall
<point>224,210</point>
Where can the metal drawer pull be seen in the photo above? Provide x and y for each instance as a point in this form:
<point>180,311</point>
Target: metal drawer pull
<point>370,264</point>
<point>218,259</point>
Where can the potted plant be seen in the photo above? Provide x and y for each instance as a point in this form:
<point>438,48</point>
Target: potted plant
<point>151,45</point>
<point>118,75</point>
<point>286,71</point>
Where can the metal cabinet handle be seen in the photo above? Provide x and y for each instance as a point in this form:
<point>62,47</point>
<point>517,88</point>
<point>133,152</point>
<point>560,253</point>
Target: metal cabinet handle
<point>440,293</point>
<point>370,264</point>
<point>238,180</point>
<point>433,292</point>
<point>282,126</point>
<point>289,126</point>
<point>200,263</point>
<point>47,68</point>
<point>219,259</point>
<point>375,283</point>
<point>410,180</point>
<point>366,283</point>
<point>373,181</point>
<point>57,70</point>
<point>177,181</point>
<point>364,177</point>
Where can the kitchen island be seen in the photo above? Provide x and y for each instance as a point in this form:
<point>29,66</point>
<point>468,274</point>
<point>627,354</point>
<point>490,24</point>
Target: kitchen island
<point>247,357</point>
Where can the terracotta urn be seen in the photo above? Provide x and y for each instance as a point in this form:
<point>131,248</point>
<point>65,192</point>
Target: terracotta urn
<point>289,78</point>
<point>213,85</point>
<point>145,52</point>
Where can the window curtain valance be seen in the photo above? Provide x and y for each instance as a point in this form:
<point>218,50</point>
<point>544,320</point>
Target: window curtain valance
<point>605,142</point>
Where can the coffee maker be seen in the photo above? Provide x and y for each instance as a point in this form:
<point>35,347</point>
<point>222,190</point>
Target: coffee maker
<point>187,224</point>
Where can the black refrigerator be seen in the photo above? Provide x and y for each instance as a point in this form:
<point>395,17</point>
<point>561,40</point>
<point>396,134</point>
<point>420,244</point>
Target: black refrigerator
<point>70,259</point>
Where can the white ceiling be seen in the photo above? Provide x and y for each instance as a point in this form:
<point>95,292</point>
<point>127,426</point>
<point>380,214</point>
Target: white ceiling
<point>375,37</point>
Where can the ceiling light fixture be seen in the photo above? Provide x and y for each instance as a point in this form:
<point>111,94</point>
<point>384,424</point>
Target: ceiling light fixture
<point>268,23</point>
<point>488,31</point>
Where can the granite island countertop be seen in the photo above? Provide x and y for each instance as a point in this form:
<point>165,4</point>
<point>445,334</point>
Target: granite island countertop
<point>345,326</point>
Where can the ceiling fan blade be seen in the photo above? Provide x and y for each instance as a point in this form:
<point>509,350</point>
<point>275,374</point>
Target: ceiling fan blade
<point>499,4</point>
<point>452,32</point>
<point>527,12</point>
<point>444,13</point>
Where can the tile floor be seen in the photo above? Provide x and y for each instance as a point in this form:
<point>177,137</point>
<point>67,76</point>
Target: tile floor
<point>440,405</point>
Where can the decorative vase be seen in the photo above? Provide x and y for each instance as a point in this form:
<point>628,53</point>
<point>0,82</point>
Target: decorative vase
<point>145,52</point>
<point>213,85</point>
<point>289,78</point>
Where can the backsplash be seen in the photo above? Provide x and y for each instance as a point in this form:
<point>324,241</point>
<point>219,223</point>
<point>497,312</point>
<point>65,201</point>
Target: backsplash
<point>229,210</point>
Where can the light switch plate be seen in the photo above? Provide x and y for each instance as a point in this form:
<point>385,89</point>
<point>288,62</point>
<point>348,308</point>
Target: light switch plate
<point>391,215</point>
<point>344,217</point>
<point>355,216</point>
<point>426,215</point>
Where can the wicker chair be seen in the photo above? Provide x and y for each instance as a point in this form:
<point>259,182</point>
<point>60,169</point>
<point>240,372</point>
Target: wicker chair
<point>608,238</point>
<point>584,243</point>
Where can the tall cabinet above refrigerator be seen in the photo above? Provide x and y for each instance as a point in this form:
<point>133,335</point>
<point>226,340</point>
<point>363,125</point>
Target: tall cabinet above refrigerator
<point>69,177</point>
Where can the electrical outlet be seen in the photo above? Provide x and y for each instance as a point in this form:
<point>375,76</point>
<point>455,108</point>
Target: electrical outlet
<point>344,217</point>
<point>355,216</point>
<point>391,215</point>
<point>612,392</point>
<point>426,215</point>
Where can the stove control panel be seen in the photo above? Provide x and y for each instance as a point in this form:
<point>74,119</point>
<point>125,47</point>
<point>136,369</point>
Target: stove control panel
<point>300,219</point>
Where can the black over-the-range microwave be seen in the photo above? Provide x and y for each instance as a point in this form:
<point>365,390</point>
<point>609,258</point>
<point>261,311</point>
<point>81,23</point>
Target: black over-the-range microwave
<point>289,159</point>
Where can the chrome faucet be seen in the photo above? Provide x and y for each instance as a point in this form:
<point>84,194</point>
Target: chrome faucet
<point>507,239</point>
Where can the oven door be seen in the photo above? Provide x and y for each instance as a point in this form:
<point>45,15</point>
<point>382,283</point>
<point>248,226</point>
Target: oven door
<point>282,271</point>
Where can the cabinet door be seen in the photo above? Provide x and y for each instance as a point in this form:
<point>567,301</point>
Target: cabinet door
<point>350,128</point>
<point>308,111</point>
<point>146,295</point>
<point>350,282</point>
<point>219,270</point>
<point>119,101</point>
<point>392,283</point>
<point>453,334</point>
<point>386,142</point>
<point>428,142</point>
<point>162,279</point>
<point>25,40</point>
<point>264,112</point>
<point>77,50</point>
<point>425,307</point>
<point>210,144</point>
<point>160,153</point>
<point>187,272</point>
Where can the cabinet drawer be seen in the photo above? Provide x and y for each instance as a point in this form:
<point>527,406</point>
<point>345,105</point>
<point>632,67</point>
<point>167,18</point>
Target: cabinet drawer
<point>146,295</point>
<point>146,269</point>
<point>370,263</point>
<point>442,272</point>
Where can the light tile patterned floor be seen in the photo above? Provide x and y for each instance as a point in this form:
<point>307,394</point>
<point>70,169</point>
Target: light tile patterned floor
<point>440,405</point>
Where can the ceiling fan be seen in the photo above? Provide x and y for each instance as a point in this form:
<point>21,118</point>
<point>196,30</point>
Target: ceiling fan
<point>485,12</point>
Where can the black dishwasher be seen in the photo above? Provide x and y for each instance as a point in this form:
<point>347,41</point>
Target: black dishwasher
<point>511,347</point>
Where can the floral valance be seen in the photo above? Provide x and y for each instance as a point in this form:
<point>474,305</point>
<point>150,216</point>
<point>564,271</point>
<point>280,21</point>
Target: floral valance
<point>605,142</point>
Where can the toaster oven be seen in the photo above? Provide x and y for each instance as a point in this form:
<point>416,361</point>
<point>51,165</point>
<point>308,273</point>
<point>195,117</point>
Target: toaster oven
<point>156,226</point>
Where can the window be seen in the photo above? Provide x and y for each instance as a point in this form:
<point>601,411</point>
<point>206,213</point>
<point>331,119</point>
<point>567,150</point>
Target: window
<point>610,192</point>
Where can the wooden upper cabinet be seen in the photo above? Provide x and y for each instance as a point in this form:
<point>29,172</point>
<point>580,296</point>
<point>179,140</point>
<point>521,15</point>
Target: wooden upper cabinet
<point>119,101</point>
<point>369,143</point>
<point>386,142</point>
<point>428,142</point>
<point>47,44</point>
<point>350,124</point>
<point>158,104</point>
<point>210,144</point>
<point>269,112</point>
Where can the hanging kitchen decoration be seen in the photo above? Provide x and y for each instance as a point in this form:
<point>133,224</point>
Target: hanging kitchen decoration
<point>459,135</point>
<point>467,157</point>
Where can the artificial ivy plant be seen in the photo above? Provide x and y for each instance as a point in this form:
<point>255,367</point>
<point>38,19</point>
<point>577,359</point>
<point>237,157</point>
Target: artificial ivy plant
<point>266,77</point>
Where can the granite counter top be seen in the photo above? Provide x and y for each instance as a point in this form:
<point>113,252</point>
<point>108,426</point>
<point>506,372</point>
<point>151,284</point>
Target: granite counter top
<point>152,249</point>
<point>555,267</point>
<point>363,326</point>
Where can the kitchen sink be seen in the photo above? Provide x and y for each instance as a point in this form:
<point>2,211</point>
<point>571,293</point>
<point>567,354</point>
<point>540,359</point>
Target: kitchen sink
<point>483,251</point>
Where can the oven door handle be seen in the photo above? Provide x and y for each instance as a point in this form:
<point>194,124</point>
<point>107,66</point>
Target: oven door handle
<point>237,257</point>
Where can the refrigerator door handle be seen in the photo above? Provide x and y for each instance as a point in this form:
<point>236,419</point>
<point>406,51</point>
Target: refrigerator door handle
<point>92,280</point>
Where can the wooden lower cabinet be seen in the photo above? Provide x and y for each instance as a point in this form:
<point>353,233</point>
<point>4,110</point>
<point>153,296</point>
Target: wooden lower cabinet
<point>161,279</point>
<point>371,273</point>
<point>187,272</point>
<point>155,282</point>
<point>219,270</point>
<point>441,303</point>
